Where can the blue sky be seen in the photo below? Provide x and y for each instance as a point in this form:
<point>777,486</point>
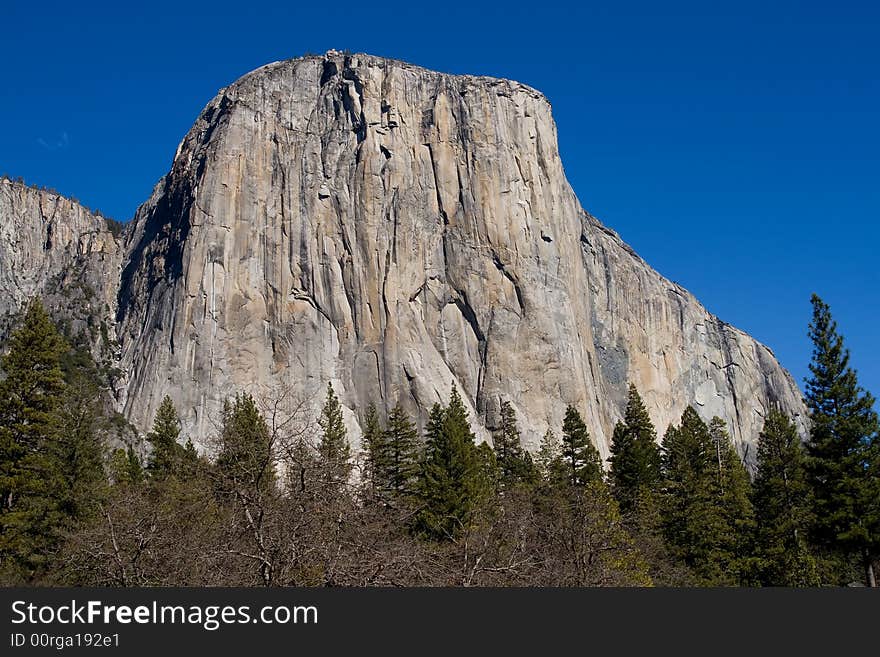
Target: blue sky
<point>734,145</point>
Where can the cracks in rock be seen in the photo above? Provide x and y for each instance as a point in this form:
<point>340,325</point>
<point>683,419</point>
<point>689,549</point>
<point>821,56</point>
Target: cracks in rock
<point>328,71</point>
<point>358,121</point>
<point>437,188</point>
<point>516,288</point>
<point>467,312</point>
<point>419,290</point>
<point>384,294</point>
<point>392,216</point>
<point>304,295</point>
<point>609,282</point>
<point>680,303</point>
<point>728,369</point>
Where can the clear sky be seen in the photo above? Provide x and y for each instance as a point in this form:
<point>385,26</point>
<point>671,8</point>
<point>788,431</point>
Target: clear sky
<point>734,145</point>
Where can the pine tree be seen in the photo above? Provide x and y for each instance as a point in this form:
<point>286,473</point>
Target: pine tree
<point>78,448</point>
<point>192,464</point>
<point>733,489</point>
<point>166,456</point>
<point>125,467</point>
<point>451,484</point>
<point>334,449</point>
<point>635,455</point>
<point>695,523</point>
<point>581,457</point>
<point>244,463</point>
<point>399,454</point>
<point>373,452</point>
<point>30,476</point>
<point>782,507</point>
<point>551,467</point>
<point>514,463</point>
<point>842,464</point>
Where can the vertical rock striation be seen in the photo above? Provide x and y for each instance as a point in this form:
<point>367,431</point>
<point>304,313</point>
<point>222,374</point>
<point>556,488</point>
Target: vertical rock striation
<point>54,248</point>
<point>397,231</point>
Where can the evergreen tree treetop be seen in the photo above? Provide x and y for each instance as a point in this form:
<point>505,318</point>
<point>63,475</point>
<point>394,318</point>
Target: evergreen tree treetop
<point>31,390</point>
<point>399,460</point>
<point>580,455</point>
<point>842,462</point>
<point>164,439</point>
<point>451,482</point>
<point>245,459</point>
<point>513,462</point>
<point>781,498</point>
<point>373,448</point>
<point>635,455</point>
<point>334,439</point>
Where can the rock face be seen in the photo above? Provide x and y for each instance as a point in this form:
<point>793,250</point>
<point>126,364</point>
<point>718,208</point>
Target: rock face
<point>392,230</point>
<point>396,231</point>
<point>52,247</point>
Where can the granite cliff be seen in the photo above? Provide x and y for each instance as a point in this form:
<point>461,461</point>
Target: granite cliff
<point>54,248</point>
<point>395,231</point>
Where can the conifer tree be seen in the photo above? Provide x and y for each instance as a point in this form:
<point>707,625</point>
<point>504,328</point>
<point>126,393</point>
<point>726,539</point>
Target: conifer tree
<point>78,448</point>
<point>166,456</point>
<point>514,463</point>
<point>581,457</point>
<point>733,489</point>
<point>30,476</point>
<point>695,524</point>
<point>244,463</point>
<point>842,462</point>
<point>125,467</point>
<point>451,484</point>
<point>399,462</point>
<point>782,507</point>
<point>192,463</point>
<point>549,462</point>
<point>635,455</point>
<point>334,450</point>
<point>373,452</point>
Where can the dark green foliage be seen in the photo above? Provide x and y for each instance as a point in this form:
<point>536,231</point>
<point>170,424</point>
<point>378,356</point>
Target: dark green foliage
<point>30,474</point>
<point>244,464</point>
<point>372,449</point>
<point>782,506</point>
<point>398,463</point>
<point>125,467</point>
<point>169,458</point>
<point>164,438</point>
<point>635,455</point>
<point>334,449</point>
<point>31,391</point>
<point>70,513</point>
<point>514,463</point>
<point>79,447</point>
<point>116,228</point>
<point>733,492</point>
<point>705,508</point>
<point>842,451</point>
<point>581,458</point>
<point>452,481</point>
<point>549,462</point>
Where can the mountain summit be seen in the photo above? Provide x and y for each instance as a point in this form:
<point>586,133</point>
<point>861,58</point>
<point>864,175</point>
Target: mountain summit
<point>397,231</point>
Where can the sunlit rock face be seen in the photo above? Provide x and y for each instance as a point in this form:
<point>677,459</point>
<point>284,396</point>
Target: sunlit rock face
<point>53,248</point>
<point>398,231</point>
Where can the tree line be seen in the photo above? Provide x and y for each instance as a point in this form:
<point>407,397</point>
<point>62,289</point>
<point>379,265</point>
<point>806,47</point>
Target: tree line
<point>279,497</point>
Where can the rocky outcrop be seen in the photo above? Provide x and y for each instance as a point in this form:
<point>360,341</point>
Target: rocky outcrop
<point>397,231</point>
<point>54,248</point>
